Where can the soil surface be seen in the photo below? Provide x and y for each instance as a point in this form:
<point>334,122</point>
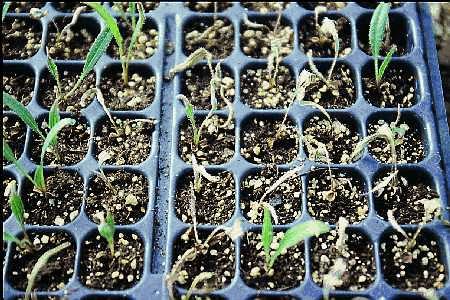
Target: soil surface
<point>125,195</point>
<point>286,199</point>
<point>75,43</point>
<point>396,36</point>
<point>100,270</point>
<point>339,137</point>
<point>195,85</point>
<point>287,272</point>
<point>72,145</point>
<point>131,145</point>
<point>340,93</point>
<point>14,132</point>
<point>256,42</point>
<point>24,7</point>
<point>265,7</point>
<point>405,197</point>
<point>357,254</point>
<point>258,91</point>
<point>21,38</point>
<point>216,144</point>
<point>138,94</point>
<point>124,6</point>
<point>396,87</point>
<point>70,7</point>
<point>418,267</point>
<point>215,212</point>
<point>79,100</point>
<point>218,39</point>
<point>410,147</point>
<point>202,6</point>
<point>267,141</point>
<point>322,45</point>
<point>6,179</point>
<point>60,205</point>
<point>218,257</point>
<point>56,273</point>
<point>328,5</point>
<point>146,43</point>
<point>345,200</point>
<point>19,84</point>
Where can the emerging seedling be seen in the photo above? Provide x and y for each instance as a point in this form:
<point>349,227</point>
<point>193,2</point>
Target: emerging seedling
<point>107,229</point>
<point>5,9</point>
<point>378,25</point>
<point>199,173</point>
<point>17,208</point>
<point>291,237</point>
<point>125,54</point>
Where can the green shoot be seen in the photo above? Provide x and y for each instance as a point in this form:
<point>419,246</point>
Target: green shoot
<point>8,154</point>
<point>189,111</point>
<point>5,9</point>
<point>8,237</point>
<point>292,236</point>
<point>53,119</point>
<point>111,23</point>
<point>378,24</point>
<point>39,266</point>
<point>107,229</point>
<point>16,205</point>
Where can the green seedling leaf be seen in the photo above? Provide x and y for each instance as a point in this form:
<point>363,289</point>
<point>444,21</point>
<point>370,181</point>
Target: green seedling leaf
<point>107,229</point>
<point>377,27</point>
<point>267,233</point>
<point>53,119</point>
<point>52,135</point>
<point>297,234</point>
<point>5,9</point>
<point>39,179</point>
<point>385,63</point>
<point>11,238</point>
<point>16,204</point>
<point>96,51</point>
<point>8,154</point>
<point>53,69</point>
<point>132,10</point>
<point>136,29</point>
<point>22,112</point>
<point>110,23</point>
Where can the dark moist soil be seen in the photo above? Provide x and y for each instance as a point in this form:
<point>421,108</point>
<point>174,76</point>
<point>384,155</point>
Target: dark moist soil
<point>219,42</point>
<point>218,258</point>
<point>196,87</point>
<point>138,94</point>
<point>74,103</point>
<point>72,145</point>
<point>127,203</point>
<point>24,7</point>
<point>207,6</point>
<point>287,272</point>
<point>14,132</point>
<point>358,257</point>
<point>328,5</point>
<point>216,143</point>
<point>131,146</point>
<point>56,273</point>
<point>340,95</point>
<point>124,6</point>
<point>74,45</point>
<point>20,85</point>
<point>404,198</point>
<point>410,150</point>
<point>6,179</point>
<point>346,201</point>
<point>21,38</point>
<point>373,5</point>
<point>286,199</point>
<point>256,42</point>
<point>215,212</point>
<point>396,87</point>
<point>146,43</point>
<point>398,36</point>
<point>260,143</point>
<point>99,270</point>
<point>323,46</point>
<point>339,137</point>
<point>60,205</point>
<point>258,92</point>
<point>420,267</point>
<point>265,7</point>
<point>70,7</point>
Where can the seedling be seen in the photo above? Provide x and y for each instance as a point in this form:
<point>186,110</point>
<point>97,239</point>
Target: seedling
<point>5,9</point>
<point>107,229</point>
<point>274,57</point>
<point>292,236</point>
<point>125,54</point>
<point>199,173</point>
<point>378,24</point>
<point>17,208</point>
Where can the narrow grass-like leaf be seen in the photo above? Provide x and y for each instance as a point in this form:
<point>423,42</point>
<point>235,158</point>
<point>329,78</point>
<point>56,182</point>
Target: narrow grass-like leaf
<point>377,27</point>
<point>107,229</point>
<point>299,233</point>
<point>8,154</point>
<point>11,238</point>
<point>267,233</point>
<point>53,69</point>
<point>39,179</point>
<point>132,11</point>
<point>54,133</point>
<point>53,118</point>
<point>22,112</point>
<point>16,205</point>
<point>385,63</point>
<point>5,9</point>
<point>96,51</point>
<point>136,31</point>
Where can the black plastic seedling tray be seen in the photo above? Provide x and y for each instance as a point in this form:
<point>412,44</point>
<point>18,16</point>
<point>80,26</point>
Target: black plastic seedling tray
<point>161,227</point>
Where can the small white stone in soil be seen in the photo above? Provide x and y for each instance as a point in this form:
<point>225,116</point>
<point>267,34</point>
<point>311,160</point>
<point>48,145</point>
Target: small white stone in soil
<point>73,215</point>
<point>59,221</point>
<point>44,239</point>
<point>131,199</point>
<point>115,274</point>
